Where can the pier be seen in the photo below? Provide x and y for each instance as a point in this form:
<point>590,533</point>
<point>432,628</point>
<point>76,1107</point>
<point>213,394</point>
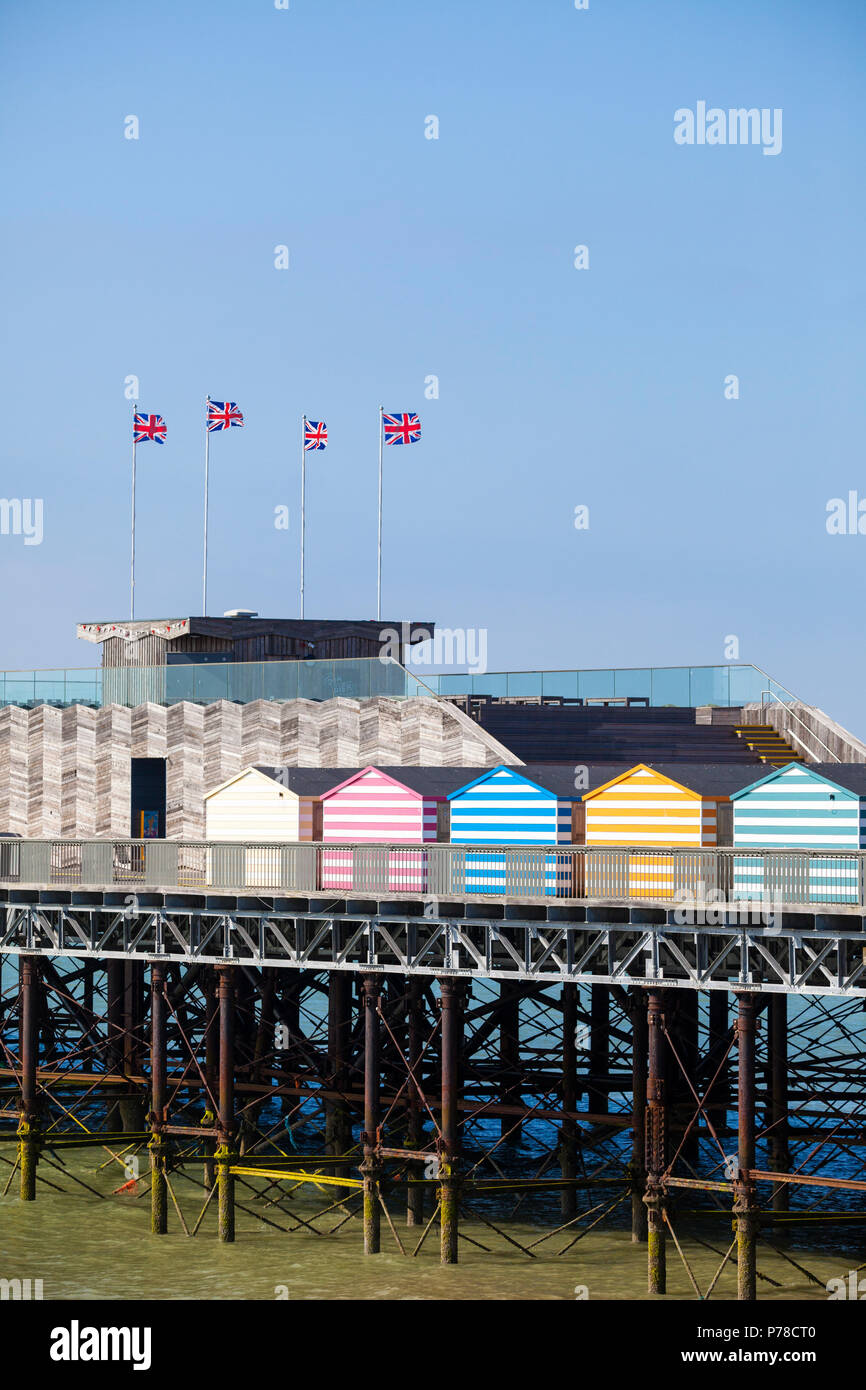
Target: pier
<point>431,1061</point>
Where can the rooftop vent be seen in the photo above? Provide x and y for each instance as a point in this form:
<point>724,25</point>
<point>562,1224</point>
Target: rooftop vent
<point>240,613</point>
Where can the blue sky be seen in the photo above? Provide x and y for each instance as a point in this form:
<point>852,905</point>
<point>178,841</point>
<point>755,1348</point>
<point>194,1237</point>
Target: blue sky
<point>452,257</point>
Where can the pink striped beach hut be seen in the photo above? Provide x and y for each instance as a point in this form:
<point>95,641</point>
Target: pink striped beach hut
<point>373,808</point>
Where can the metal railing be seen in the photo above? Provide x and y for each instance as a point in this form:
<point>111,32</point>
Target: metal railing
<point>730,684</point>
<point>566,872</point>
<point>834,757</point>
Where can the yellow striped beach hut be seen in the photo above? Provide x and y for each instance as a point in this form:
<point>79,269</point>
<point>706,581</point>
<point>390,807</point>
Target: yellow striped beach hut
<point>657,808</point>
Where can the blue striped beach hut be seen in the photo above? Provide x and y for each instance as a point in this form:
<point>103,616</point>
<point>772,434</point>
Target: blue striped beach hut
<point>504,806</point>
<point>803,806</point>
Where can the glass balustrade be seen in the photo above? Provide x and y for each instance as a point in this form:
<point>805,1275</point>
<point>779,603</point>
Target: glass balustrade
<point>360,678</point>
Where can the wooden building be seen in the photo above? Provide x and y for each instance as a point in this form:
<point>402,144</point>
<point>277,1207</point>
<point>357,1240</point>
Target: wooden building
<point>245,637</point>
<point>137,656</point>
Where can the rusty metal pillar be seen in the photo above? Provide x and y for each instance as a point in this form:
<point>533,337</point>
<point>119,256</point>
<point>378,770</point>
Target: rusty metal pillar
<point>777,1110</point>
<point>639,1098</point>
<point>28,1122</point>
<point>264,1044</point>
<point>158,1187</point>
<point>132,1018</point>
<point>87,1049</point>
<point>744,1205</point>
<point>114,1038</point>
<point>371,1166</point>
<point>720,1096</point>
<point>290,1015</point>
<point>599,1050</point>
<point>681,1102</point>
<point>568,1133</point>
<point>225,1155</point>
<point>509,1055</point>
<point>211,1070</point>
<point>415,1135</point>
<point>452,1026</point>
<point>338,1126</point>
<point>656,1144</point>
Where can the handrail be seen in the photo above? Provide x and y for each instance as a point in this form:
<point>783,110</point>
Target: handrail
<point>440,870</point>
<point>834,757</point>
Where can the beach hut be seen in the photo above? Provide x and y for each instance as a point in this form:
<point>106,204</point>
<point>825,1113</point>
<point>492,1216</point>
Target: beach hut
<point>263,803</point>
<point>382,808</point>
<point>660,807</point>
<point>802,806</point>
<point>263,806</point>
<point>505,806</point>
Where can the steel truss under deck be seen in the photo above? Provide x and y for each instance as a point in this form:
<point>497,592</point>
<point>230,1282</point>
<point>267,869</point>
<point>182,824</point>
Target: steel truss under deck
<point>803,952</point>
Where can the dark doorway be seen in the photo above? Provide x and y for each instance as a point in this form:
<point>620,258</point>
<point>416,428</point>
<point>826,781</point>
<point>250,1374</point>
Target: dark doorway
<point>148,799</point>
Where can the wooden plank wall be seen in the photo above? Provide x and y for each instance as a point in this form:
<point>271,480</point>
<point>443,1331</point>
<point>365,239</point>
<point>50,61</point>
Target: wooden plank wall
<point>66,773</point>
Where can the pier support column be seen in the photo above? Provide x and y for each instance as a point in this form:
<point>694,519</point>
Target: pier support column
<point>338,1128</point>
<point>211,1069</point>
<point>720,1096</point>
<point>88,969</point>
<point>777,1110</point>
<point>681,1102</point>
<point>225,1155</point>
<point>131,1105</point>
<point>639,1098</point>
<point>28,1123</point>
<point>370,1138</point>
<point>452,1022</point>
<point>289,993</point>
<point>568,1133</point>
<point>656,1145</point>
<point>744,1206</point>
<point>415,1135</point>
<point>158,1189</point>
<point>114,1039</point>
<point>509,1055</point>
<point>599,1050</point>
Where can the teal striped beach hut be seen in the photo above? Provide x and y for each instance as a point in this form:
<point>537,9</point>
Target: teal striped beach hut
<point>803,806</point>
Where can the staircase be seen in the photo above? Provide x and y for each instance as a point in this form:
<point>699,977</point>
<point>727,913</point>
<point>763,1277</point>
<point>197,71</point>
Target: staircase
<point>765,743</point>
<point>560,733</point>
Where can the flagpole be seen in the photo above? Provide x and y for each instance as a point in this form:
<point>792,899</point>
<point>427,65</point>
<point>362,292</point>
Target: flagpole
<point>379,548</point>
<point>206,470</point>
<point>303,481</point>
<point>132,563</point>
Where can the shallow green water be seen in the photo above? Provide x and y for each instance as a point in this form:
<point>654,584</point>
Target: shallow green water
<point>82,1247</point>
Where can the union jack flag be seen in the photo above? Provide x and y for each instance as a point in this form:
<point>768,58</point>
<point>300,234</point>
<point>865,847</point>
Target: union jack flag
<point>146,427</point>
<point>402,429</point>
<point>315,434</point>
<point>222,415</point>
